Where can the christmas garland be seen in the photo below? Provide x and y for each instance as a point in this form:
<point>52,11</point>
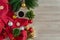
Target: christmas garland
<point>13,26</point>
<point>30,14</point>
<point>17,4</point>
<point>31,3</point>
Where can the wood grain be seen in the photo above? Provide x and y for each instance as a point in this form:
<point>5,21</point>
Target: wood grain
<point>47,20</point>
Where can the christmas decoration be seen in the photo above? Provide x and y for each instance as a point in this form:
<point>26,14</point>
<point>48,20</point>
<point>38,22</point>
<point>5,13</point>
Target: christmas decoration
<point>30,33</point>
<point>14,16</point>
<point>21,14</point>
<point>31,3</point>
<point>30,29</point>
<point>17,4</point>
<point>10,23</point>
<point>14,22</point>
<point>23,5</point>
<point>21,28</point>
<point>16,32</point>
<point>30,14</point>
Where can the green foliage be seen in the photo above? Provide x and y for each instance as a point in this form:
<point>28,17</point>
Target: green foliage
<point>31,3</point>
<point>15,4</point>
<point>30,14</point>
<point>16,32</point>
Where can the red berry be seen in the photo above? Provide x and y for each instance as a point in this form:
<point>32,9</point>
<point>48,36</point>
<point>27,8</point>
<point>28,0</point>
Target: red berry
<point>30,21</point>
<point>30,29</point>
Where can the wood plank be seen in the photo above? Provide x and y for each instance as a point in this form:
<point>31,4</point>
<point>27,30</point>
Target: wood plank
<point>47,20</point>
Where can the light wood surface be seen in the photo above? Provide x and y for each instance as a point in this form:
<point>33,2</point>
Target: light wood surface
<point>47,20</point>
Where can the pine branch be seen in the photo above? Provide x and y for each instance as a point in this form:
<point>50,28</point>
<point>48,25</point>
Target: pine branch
<point>31,3</point>
<point>15,4</point>
<point>30,14</point>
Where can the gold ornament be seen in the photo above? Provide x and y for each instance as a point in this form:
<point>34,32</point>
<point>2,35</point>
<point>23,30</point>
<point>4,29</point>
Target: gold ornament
<point>23,5</point>
<point>14,16</point>
<point>1,7</point>
<point>27,27</point>
<point>32,34</point>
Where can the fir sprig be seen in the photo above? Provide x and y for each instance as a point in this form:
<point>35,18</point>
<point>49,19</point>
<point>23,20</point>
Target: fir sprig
<point>30,14</point>
<point>31,3</point>
<point>15,4</point>
<point>16,32</point>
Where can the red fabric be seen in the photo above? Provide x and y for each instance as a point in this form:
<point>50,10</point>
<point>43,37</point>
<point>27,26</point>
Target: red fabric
<point>1,25</point>
<point>11,36</point>
<point>5,10</point>
<point>1,37</point>
<point>5,1</point>
<point>23,22</point>
<point>5,16</point>
<point>5,19</point>
<point>8,30</point>
<point>23,36</point>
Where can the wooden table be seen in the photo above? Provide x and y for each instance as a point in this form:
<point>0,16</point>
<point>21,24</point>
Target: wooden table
<point>47,20</point>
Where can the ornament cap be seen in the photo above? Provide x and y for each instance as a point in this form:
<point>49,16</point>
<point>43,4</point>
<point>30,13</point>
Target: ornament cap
<point>23,5</point>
